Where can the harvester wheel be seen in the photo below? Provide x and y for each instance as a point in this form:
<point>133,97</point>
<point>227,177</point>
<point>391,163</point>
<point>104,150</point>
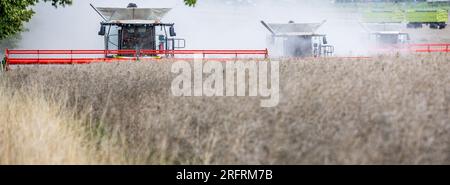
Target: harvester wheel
<point>434,26</point>
<point>409,25</point>
<point>414,25</point>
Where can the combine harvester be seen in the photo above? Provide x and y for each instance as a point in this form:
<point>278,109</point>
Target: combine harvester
<point>386,30</point>
<point>386,34</point>
<point>297,40</point>
<point>130,34</point>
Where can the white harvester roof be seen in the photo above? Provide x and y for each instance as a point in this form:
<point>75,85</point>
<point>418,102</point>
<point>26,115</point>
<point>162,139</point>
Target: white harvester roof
<point>133,15</point>
<point>294,29</point>
<point>384,28</point>
<point>389,33</point>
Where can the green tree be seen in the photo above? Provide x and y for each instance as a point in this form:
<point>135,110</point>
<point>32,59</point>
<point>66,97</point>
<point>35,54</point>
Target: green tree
<point>190,2</point>
<point>13,14</point>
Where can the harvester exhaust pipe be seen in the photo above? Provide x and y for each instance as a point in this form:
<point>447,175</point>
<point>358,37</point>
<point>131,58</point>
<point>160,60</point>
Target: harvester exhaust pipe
<point>103,17</point>
<point>268,27</point>
<point>132,5</point>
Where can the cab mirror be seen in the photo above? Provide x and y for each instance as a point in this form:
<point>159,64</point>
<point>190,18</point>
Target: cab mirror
<point>172,31</point>
<point>102,31</point>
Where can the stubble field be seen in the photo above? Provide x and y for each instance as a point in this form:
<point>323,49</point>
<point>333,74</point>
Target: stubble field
<point>387,110</point>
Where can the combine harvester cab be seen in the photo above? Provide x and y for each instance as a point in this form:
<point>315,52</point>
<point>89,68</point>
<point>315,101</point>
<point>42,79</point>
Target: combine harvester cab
<point>297,40</point>
<point>387,33</point>
<point>382,38</point>
<point>138,29</point>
